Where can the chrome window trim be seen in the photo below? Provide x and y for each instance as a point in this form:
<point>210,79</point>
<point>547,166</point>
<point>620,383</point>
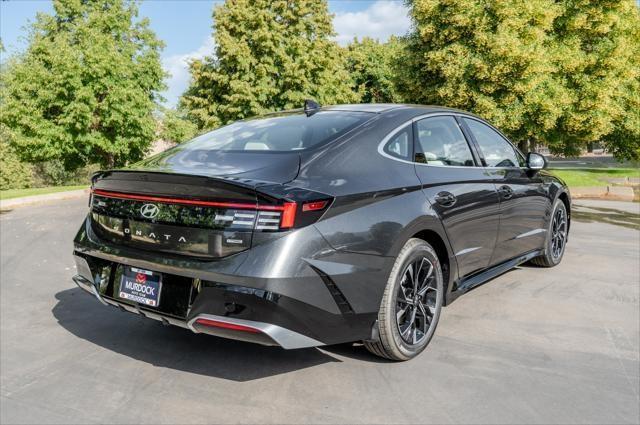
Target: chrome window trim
<point>387,139</point>
<point>393,132</point>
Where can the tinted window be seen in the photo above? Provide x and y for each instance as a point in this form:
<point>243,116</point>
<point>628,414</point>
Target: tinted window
<point>496,150</point>
<point>441,142</point>
<point>278,133</point>
<point>400,144</point>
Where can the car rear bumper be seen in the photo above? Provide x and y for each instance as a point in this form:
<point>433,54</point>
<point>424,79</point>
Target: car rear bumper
<point>264,333</point>
<point>276,294</point>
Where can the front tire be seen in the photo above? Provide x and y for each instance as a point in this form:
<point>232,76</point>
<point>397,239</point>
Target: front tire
<point>556,239</point>
<point>411,303</point>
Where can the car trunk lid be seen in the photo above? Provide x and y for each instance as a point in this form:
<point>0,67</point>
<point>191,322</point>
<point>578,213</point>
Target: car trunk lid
<point>182,213</point>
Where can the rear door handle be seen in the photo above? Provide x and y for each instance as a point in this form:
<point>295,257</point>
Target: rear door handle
<point>446,199</point>
<point>506,192</point>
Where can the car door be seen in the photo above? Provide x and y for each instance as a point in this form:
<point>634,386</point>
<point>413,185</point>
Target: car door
<point>524,204</point>
<point>458,189</point>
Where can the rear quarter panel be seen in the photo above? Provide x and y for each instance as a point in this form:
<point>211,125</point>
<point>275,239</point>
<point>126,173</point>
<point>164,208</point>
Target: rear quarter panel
<point>378,205</point>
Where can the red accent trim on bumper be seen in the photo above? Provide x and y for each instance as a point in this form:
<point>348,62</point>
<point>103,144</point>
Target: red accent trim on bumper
<point>225,325</point>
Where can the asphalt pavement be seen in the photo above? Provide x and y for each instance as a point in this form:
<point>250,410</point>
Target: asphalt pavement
<point>534,345</point>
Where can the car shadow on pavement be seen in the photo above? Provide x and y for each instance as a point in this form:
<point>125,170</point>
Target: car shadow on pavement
<point>172,347</point>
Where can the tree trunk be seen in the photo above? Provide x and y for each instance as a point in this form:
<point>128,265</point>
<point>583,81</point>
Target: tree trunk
<point>523,145</point>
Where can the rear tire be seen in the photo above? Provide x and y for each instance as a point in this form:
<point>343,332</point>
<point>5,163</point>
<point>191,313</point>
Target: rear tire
<point>556,239</point>
<point>411,304</point>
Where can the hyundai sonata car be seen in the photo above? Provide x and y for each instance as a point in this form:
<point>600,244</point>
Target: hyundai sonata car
<point>321,225</point>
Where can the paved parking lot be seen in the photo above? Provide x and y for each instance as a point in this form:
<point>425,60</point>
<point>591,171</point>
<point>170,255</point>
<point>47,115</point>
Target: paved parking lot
<point>533,346</point>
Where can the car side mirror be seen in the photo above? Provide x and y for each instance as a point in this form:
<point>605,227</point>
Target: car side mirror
<point>535,161</point>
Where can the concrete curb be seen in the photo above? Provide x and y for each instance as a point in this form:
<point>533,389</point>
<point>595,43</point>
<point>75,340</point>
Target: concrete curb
<point>618,193</point>
<point>35,199</point>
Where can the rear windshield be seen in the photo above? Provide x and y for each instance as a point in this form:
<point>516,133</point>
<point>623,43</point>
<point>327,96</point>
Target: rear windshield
<point>279,133</point>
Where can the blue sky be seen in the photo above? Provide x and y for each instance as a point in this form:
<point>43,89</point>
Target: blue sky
<point>185,27</point>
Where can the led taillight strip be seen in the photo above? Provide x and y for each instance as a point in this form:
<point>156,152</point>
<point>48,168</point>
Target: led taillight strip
<point>288,209</point>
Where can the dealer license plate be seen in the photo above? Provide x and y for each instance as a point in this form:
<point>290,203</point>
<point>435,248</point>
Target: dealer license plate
<point>141,286</point>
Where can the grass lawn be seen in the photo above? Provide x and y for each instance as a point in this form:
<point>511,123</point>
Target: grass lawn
<point>593,176</point>
<point>573,177</point>
<point>18,193</point>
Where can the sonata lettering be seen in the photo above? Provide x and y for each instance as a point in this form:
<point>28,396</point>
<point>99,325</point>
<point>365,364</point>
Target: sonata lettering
<point>151,235</point>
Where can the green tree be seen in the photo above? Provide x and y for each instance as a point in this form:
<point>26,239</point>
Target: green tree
<point>491,58</point>
<point>372,68</point>
<point>269,55</point>
<point>599,63</point>
<point>556,72</point>
<point>175,126</point>
<point>85,89</point>
<point>14,174</point>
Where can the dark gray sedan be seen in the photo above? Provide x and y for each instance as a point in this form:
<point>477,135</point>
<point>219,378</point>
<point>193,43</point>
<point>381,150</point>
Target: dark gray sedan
<point>321,225</point>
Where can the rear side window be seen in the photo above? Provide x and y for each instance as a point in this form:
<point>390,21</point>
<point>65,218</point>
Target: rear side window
<point>496,150</point>
<point>441,142</point>
<point>400,144</point>
<point>278,133</point>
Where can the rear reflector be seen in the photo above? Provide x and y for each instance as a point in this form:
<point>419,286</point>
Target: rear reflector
<point>314,206</point>
<point>224,325</point>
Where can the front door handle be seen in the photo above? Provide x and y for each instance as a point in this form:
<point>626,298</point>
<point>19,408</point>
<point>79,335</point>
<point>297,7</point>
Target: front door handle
<point>506,192</point>
<point>446,199</point>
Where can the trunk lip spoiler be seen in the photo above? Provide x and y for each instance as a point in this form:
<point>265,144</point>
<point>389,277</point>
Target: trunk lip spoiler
<point>246,183</point>
<point>185,201</point>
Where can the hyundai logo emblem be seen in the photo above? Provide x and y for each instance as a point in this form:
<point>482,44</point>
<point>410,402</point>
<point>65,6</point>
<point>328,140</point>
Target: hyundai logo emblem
<point>149,210</point>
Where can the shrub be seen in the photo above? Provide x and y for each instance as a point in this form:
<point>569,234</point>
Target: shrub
<point>53,173</point>
<point>14,174</point>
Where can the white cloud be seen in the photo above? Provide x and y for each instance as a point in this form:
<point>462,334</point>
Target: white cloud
<point>380,20</point>
<point>178,68</point>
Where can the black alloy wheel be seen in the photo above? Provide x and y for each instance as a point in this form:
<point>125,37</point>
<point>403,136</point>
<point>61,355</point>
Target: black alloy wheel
<point>416,301</point>
<point>557,235</point>
<point>411,303</point>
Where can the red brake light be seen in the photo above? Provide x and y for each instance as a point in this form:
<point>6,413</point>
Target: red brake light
<point>225,325</point>
<point>314,206</point>
<point>288,215</point>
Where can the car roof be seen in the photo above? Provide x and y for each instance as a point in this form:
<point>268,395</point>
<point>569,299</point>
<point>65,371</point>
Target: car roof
<point>382,108</point>
<point>363,107</point>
